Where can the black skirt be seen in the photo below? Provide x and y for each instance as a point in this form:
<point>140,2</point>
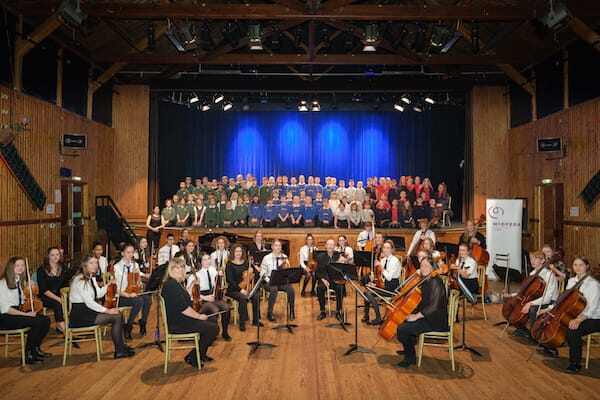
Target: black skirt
<point>82,316</point>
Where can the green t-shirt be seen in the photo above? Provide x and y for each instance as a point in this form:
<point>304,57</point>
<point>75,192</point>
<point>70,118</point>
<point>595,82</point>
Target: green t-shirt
<point>240,212</point>
<point>265,194</point>
<point>168,213</point>
<point>181,211</point>
<point>211,216</point>
<point>227,217</point>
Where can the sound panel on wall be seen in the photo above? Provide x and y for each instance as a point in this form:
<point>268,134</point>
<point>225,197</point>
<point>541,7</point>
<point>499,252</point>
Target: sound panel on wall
<point>591,190</point>
<point>19,170</point>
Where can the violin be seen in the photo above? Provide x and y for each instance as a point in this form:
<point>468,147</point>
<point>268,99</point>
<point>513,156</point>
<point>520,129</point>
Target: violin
<point>551,327</point>
<point>405,302</point>
<point>311,263</point>
<point>111,298</point>
<point>247,277</point>
<point>31,300</point>
<point>219,289</point>
<point>378,276</point>
<point>196,299</point>
<point>134,283</point>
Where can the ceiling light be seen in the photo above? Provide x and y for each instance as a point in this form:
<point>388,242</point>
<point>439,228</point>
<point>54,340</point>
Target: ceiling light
<point>302,106</point>
<point>219,98</point>
<point>429,100</point>
<point>398,107</point>
<point>227,106</point>
<point>315,106</point>
<point>417,109</point>
<point>254,36</point>
<point>405,99</point>
<point>194,99</point>
<point>205,107</point>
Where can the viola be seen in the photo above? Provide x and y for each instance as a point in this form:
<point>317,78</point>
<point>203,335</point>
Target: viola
<point>247,278</point>
<point>378,276</point>
<point>31,298</point>
<point>196,299</point>
<point>551,327</point>
<point>219,289</point>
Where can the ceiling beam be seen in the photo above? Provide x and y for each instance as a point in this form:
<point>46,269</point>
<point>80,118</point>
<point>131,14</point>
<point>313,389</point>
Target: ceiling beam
<point>304,59</point>
<point>586,33</point>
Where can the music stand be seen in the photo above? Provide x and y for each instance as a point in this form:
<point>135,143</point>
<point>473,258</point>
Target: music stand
<point>362,258</point>
<point>154,284</point>
<point>340,272</point>
<point>257,344</point>
<point>287,276</point>
<point>466,294</point>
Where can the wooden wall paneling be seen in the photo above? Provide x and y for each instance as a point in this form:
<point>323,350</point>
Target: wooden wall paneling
<point>131,120</point>
<point>489,126</point>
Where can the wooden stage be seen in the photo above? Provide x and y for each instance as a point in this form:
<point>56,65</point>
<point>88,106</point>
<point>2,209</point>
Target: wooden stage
<point>308,364</point>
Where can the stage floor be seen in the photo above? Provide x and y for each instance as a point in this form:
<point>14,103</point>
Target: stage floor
<point>308,364</point>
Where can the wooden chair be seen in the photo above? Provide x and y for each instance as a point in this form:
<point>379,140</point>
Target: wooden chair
<point>590,338</point>
<point>448,337</point>
<point>78,335</point>
<point>481,271</point>
<point>171,339</point>
<point>234,309</point>
<point>11,333</point>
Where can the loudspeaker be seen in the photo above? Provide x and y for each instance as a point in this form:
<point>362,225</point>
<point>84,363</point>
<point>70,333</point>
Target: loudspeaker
<point>591,190</point>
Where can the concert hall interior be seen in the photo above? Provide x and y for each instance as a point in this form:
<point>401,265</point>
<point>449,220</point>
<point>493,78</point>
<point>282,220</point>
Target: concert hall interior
<point>299,199</point>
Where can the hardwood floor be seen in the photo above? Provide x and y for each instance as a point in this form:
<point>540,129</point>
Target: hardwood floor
<point>308,364</point>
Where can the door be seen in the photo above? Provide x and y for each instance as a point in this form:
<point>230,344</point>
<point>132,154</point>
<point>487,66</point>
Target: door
<point>548,203</point>
<point>72,217</point>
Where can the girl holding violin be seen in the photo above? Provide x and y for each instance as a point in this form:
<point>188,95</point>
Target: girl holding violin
<point>189,257</point>
<point>51,277</point>
<point>86,311</point>
<point>128,280</point>
<point>384,281</point>
<point>308,263</point>
<point>430,315</point>
<point>467,268</point>
<point>239,273</point>
<point>15,308</point>
<point>206,278</point>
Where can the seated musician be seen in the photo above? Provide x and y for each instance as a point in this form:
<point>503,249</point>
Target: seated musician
<point>273,261</point>
<point>391,272</point>
<point>558,266</point>
<point>420,235</point>
<point>168,251</point>
<point>51,277</point>
<point>325,215</point>
<point>472,236</point>
<point>142,255</point>
<point>185,237</point>
<point>364,236</point>
<point>206,277</point>
<point>12,295</point>
<point>97,251</point>
<point>589,320</point>
<point>296,213</point>
<point>181,317</point>
<point>234,274</point>
<point>430,315</point>
<point>86,311</point>
<point>347,254</point>
<point>269,215</point>
<point>219,257</point>
<point>467,268</point>
<point>324,283</point>
<point>304,256</point>
<point>137,302</point>
<point>550,295</point>
<point>190,257</point>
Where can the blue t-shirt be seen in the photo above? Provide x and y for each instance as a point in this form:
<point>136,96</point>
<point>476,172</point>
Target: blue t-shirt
<point>301,187</point>
<point>311,190</point>
<point>255,211</point>
<point>284,210</point>
<point>310,212</point>
<point>326,215</point>
<point>269,213</point>
<point>297,211</point>
<point>318,205</point>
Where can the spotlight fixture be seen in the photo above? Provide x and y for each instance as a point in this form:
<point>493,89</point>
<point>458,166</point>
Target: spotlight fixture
<point>205,107</point>
<point>227,106</point>
<point>218,98</point>
<point>405,99</point>
<point>302,106</point>
<point>194,99</point>
<point>398,107</point>
<point>418,109</point>
<point>315,106</point>
<point>371,38</point>
<point>429,100</point>
<point>254,36</point>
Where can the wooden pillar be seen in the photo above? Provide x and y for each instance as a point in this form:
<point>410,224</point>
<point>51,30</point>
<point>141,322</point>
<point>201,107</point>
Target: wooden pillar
<point>566,87</point>
<point>59,78</point>
<point>92,87</point>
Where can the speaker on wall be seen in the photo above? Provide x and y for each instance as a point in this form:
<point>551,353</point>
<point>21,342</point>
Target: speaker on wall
<point>591,190</point>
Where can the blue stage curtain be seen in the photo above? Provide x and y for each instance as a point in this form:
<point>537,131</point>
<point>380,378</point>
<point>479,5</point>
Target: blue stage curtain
<point>342,144</point>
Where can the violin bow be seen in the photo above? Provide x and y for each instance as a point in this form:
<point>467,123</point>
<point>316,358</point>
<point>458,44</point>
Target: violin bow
<point>29,283</point>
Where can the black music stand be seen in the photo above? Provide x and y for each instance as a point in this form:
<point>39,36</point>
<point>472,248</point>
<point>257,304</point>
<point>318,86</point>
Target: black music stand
<point>465,294</point>
<point>154,284</point>
<point>287,276</point>
<point>337,272</point>
<point>362,258</point>
<point>257,344</point>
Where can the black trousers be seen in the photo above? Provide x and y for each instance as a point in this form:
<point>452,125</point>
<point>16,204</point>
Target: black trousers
<point>39,327</point>
<point>408,333</point>
<point>243,300</point>
<point>339,295</point>
<point>574,338</point>
<point>116,329</point>
<point>308,276</point>
<point>214,307</point>
<point>55,306</point>
<point>533,313</point>
<point>153,239</point>
<point>208,331</point>
<point>373,302</point>
<point>140,303</point>
<point>273,296</point>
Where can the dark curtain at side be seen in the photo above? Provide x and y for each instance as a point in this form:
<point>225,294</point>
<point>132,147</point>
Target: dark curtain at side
<point>341,144</point>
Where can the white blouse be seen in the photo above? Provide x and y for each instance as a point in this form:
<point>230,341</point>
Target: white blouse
<point>82,292</point>
<point>9,297</point>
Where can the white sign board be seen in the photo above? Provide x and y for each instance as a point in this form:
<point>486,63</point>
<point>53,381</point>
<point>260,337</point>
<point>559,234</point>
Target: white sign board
<point>503,230</point>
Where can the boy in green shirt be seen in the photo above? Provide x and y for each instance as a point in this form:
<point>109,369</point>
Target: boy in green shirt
<point>182,213</point>
<point>168,213</point>
<point>240,214</point>
<point>227,216</point>
<point>211,216</point>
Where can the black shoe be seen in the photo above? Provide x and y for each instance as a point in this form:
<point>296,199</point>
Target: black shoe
<point>142,329</point>
<point>206,359</point>
<point>339,316</point>
<point>192,360</point>
<point>406,363</point>
<point>226,337</point>
<point>365,319</point>
<point>243,326</point>
<point>400,352</point>
<point>573,368</point>
<point>271,318</point>
<point>321,316</point>
<point>257,323</point>
<point>32,358</point>
<point>127,331</point>
<point>376,321</point>
<point>548,352</point>
<point>39,352</point>
<point>76,345</point>
<point>520,332</point>
<point>59,332</point>
<point>124,354</point>
<point>292,316</point>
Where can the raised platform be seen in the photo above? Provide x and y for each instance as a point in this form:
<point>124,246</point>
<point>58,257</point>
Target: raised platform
<point>296,236</point>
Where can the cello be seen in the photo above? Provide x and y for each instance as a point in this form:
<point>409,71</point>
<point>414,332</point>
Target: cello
<point>550,328</point>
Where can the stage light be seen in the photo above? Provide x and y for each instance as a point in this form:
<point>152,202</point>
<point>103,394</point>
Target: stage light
<point>194,99</point>
<point>218,98</point>
<point>405,99</point>
<point>227,106</point>
<point>371,38</point>
<point>429,100</point>
<point>417,109</point>
<point>254,37</point>
<point>315,106</point>
<point>205,107</point>
<point>398,107</point>
<point>302,106</point>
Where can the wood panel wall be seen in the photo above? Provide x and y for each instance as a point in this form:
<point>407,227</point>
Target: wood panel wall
<point>489,120</point>
<point>579,127</point>
<point>131,121</point>
<point>26,231</point>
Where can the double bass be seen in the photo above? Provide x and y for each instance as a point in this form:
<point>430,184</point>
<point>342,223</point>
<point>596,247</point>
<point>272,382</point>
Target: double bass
<point>550,328</point>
